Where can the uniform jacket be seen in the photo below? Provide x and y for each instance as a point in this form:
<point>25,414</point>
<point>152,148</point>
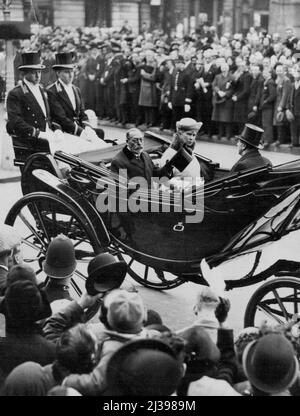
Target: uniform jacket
<point>25,116</point>
<point>143,167</point>
<point>181,92</point>
<point>62,111</point>
<point>250,160</point>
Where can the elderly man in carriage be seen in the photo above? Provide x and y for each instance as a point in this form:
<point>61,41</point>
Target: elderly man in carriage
<point>178,163</point>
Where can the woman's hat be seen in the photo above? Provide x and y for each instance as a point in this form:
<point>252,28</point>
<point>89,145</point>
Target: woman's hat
<point>105,273</point>
<point>270,363</point>
<point>64,60</point>
<point>187,124</point>
<point>252,135</point>
<point>60,258</point>
<point>31,60</point>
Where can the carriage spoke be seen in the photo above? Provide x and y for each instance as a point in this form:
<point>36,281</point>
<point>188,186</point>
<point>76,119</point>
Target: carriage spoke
<point>284,311</point>
<point>79,274</point>
<point>76,287</point>
<point>31,228</point>
<point>70,225</point>
<point>267,311</point>
<point>41,221</point>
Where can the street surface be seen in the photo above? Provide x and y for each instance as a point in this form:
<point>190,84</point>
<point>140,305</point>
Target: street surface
<point>176,305</point>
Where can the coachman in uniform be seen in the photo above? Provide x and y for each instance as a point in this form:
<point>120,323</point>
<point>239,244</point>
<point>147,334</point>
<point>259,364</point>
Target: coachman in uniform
<point>66,104</point>
<point>28,109</point>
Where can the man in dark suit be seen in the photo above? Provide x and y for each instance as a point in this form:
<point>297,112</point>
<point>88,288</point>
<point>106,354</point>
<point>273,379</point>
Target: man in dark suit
<point>135,161</point>
<point>66,104</point>
<point>181,92</point>
<point>249,142</point>
<point>27,104</point>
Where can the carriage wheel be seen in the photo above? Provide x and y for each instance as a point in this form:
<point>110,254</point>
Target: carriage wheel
<point>148,276</point>
<point>41,216</point>
<point>276,302</point>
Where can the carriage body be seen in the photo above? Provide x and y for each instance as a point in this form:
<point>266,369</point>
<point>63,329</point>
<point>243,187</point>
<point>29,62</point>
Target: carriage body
<point>240,212</point>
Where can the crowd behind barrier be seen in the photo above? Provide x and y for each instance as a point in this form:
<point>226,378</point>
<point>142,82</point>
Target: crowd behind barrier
<point>152,79</point>
<point>51,348</point>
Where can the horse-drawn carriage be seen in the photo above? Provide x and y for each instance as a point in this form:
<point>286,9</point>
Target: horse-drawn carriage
<point>241,215</point>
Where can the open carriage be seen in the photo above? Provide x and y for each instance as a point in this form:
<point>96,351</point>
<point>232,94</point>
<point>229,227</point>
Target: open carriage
<point>239,215</point>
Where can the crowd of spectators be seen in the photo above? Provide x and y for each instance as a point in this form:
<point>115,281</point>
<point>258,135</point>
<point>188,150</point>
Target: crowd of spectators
<point>128,350</point>
<point>153,79</point>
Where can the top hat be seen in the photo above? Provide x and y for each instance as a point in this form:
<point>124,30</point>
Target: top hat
<point>104,274</point>
<point>252,135</point>
<point>60,258</point>
<point>270,363</point>
<point>31,60</point>
<point>64,60</point>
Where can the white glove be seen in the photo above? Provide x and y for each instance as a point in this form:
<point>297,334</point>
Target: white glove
<point>43,135</point>
<point>59,136</point>
<point>83,135</point>
<point>187,108</point>
<point>90,134</point>
<point>170,106</point>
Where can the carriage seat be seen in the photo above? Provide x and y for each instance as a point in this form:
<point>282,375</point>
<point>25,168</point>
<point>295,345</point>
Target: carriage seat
<point>25,147</point>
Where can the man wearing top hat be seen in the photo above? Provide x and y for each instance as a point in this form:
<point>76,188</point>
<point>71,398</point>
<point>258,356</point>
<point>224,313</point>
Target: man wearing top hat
<point>28,109</point>
<point>66,104</point>
<point>249,143</point>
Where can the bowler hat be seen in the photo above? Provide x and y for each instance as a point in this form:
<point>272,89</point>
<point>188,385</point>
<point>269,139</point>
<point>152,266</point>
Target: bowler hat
<point>105,273</point>
<point>270,363</point>
<point>60,258</point>
<point>252,135</point>
<point>64,60</point>
<point>31,60</point>
<point>143,367</point>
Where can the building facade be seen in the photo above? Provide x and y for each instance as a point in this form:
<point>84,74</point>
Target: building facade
<point>234,16</point>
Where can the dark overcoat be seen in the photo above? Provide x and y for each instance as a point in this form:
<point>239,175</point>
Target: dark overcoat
<point>252,159</point>
<point>222,108</point>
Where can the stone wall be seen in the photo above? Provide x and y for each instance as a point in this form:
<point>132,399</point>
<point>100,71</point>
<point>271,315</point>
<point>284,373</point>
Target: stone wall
<point>69,13</point>
<point>121,11</point>
<point>283,14</point>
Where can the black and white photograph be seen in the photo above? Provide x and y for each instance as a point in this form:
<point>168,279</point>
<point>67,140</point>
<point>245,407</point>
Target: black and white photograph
<point>149,200</point>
